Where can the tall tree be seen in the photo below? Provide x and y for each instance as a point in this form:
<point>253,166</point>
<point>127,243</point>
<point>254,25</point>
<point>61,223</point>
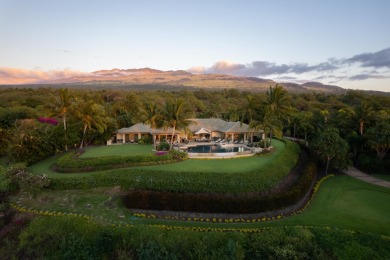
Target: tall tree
<point>304,123</point>
<point>379,137</point>
<point>177,115</point>
<point>91,115</point>
<point>278,103</point>
<point>325,114</point>
<point>363,114</point>
<point>131,105</point>
<point>330,147</point>
<point>59,105</point>
<point>268,123</point>
<point>151,114</point>
<point>249,110</point>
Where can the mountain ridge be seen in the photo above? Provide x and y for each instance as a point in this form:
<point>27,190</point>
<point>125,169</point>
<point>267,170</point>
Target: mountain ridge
<point>153,79</point>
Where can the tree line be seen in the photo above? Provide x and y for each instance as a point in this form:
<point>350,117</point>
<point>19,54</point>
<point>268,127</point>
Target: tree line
<point>352,127</point>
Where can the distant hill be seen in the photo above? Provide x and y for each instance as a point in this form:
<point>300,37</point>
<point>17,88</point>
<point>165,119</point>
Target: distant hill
<point>152,79</point>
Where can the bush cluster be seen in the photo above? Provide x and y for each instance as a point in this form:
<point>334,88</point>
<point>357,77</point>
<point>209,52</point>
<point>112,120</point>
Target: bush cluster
<point>20,178</point>
<point>201,202</point>
<point>74,238</point>
<point>164,146</point>
<point>71,163</point>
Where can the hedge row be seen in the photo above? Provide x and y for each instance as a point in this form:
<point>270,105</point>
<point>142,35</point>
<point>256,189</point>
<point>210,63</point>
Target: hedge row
<point>71,163</point>
<point>175,201</point>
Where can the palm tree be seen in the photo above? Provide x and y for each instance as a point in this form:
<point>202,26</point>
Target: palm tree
<point>278,103</point>
<point>151,114</point>
<point>363,114</point>
<point>268,123</point>
<point>92,115</point>
<point>304,123</point>
<point>177,115</point>
<point>359,116</point>
<point>59,106</point>
<point>325,114</point>
<point>131,104</point>
<point>248,111</point>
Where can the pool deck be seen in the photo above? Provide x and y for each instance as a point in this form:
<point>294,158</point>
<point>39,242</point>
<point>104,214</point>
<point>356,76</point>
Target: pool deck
<point>217,155</point>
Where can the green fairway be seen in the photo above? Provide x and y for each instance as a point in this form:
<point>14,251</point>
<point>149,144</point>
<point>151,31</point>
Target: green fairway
<point>124,149</point>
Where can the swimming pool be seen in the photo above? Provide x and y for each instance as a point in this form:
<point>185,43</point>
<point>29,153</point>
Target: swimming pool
<point>215,148</point>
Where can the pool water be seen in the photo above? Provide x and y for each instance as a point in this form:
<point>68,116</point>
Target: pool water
<point>215,149</point>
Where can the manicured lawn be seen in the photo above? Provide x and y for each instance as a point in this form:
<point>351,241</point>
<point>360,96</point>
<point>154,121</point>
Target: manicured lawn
<point>235,165</point>
<point>342,202</point>
<point>347,203</point>
<point>125,149</point>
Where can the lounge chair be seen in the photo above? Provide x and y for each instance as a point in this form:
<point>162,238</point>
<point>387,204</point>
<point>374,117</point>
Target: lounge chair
<point>222,141</point>
<point>218,140</point>
<point>236,142</point>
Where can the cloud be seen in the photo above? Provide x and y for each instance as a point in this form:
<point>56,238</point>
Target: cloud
<point>370,65</point>
<point>261,68</point>
<point>367,76</point>
<point>285,78</point>
<point>21,76</point>
<point>197,70</point>
<point>379,59</point>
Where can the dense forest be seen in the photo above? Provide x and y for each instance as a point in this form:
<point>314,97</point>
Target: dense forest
<point>350,128</point>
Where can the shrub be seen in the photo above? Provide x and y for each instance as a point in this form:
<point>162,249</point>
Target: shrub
<point>71,163</point>
<point>217,203</point>
<point>164,146</point>
<point>50,238</point>
<point>145,140</point>
<point>27,182</point>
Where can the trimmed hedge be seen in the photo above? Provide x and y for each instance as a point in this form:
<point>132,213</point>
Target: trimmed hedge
<point>71,163</point>
<point>175,201</point>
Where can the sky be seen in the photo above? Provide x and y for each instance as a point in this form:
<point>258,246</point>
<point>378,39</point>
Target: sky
<point>344,43</point>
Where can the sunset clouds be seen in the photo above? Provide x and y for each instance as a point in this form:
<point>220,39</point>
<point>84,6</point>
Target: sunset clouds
<point>14,76</point>
<point>363,67</point>
<point>333,68</point>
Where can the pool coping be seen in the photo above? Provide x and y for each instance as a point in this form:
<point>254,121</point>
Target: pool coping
<point>217,155</point>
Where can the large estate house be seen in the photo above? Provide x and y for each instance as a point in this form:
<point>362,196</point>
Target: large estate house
<point>200,129</point>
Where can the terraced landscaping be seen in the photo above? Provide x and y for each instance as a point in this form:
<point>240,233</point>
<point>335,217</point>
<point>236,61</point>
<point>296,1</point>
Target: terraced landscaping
<point>343,209</point>
<point>341,203</point>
